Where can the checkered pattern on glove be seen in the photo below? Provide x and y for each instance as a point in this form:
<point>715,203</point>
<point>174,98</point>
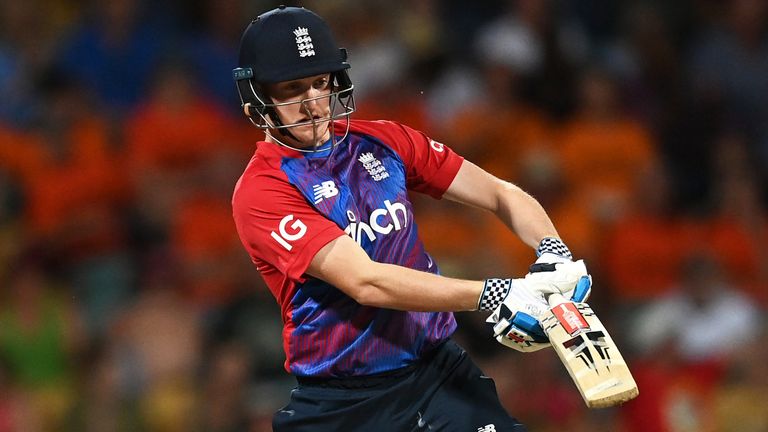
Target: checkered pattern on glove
<point>554,246</point>
<point>494,293</point>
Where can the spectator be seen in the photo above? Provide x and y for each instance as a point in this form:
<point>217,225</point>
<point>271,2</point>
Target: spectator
<point>40,337</point>
<point>169,139</point>
<point>164,335</point>
<point>705,299</point>
<point>544,46</point>
<point>113,51</point>
<point>209,46</point>
<point>728,65</point>
<point>498,127</point>
<point>27,48</point>
<point>602,149</point>
<point>740,404</point>
<point>738,228</point>
<point>685,342</point>
<point>226,389</point>
<point>203,237</point>
<point>74,191</point>
<point>650,236</point>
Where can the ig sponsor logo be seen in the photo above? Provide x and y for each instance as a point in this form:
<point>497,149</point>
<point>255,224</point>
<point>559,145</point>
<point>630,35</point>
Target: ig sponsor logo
<point>438,147</point>
<point>289,233</point>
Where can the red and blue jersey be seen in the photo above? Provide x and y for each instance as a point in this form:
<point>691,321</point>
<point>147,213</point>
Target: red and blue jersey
<point>287,205</point>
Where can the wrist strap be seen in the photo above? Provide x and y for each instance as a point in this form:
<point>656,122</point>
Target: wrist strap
<point>494,292</point>
<point>554,246</point>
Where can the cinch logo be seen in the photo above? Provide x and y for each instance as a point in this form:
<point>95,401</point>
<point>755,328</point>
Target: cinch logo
<point>298,229</point>
<point>357,229</point>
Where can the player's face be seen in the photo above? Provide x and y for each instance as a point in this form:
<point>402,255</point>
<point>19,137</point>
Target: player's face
<point>307,100</point>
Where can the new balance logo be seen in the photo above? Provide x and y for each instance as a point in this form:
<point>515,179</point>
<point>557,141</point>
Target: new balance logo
<point>304,42</point>
<point>374,167</point>
<point>487,428</point>
<point>324,190</point>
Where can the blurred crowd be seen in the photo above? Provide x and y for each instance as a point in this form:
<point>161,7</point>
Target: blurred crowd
<point>128,304</point>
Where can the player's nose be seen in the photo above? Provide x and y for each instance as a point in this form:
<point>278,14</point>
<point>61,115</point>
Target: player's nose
<point>311,106</point>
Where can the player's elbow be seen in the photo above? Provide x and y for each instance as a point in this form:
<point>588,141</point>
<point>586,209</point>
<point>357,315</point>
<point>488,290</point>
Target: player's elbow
<point>364,290</point>
<point>371,295</point>
<point>364,287</point>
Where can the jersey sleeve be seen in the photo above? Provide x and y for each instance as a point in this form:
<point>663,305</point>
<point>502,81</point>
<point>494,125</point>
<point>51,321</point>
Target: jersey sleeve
<point>430,165</point>
<point>277,226</point>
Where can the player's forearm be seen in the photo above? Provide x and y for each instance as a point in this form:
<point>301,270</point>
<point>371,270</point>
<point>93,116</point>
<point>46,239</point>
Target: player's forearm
<point>518,210</point>
<point>523,214</point>
<point>395,287</point>
<point>343,264</point>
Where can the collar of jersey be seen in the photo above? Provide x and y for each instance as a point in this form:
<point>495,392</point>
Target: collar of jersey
<point>322,151</point>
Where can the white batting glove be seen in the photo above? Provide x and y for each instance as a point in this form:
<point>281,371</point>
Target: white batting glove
<point>518,305</point>
<point>570,279</point>
<point>552,250</point>
<point>516,310</point>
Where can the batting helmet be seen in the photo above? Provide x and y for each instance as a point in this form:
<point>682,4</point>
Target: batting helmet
<point>284,44</point>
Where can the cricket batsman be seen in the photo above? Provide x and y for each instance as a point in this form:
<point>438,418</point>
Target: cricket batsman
<point>322,209</point>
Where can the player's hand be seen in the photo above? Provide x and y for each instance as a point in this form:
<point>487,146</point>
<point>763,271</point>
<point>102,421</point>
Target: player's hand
<point>552,251</point>
<point>517,329</point>
<point>569,279</point>
<point>518,305</point>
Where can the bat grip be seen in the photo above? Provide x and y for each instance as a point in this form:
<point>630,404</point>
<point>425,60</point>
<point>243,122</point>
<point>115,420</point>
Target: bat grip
<point>555,299</point>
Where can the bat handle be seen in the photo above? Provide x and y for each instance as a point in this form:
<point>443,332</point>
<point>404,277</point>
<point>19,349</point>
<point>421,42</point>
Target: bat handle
<point>555,299</point>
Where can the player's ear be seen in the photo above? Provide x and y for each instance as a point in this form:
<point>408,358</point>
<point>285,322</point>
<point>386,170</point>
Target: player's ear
<point>254,103</point>
<point>250,110</point>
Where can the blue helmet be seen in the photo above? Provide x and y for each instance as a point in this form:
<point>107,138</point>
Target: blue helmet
<point>284,44</point>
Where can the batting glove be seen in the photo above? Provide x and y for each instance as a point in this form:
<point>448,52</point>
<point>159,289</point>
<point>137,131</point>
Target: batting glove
<point>516,309</point>
<point>517,305</point>
<point>552,251</point>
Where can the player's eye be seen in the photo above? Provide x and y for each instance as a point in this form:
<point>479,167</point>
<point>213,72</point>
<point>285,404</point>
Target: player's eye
<point>321,83</point>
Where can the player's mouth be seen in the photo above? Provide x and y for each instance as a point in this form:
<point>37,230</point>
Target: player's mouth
<point>308,121</point>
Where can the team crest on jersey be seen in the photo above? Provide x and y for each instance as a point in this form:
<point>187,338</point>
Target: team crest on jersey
<point>324,190</point>
<point>374,167</point>
<point>304,42</point>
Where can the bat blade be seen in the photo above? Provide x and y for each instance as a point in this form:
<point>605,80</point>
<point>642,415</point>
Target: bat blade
<point>589,354</point>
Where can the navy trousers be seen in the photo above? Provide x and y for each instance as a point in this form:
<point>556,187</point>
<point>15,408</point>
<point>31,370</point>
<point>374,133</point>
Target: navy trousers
<point>446,391</point>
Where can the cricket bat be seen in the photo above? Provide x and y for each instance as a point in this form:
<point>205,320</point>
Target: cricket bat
<point>589,353</point>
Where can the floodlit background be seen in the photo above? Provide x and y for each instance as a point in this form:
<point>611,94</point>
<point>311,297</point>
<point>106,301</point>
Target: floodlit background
<point>128,304</point>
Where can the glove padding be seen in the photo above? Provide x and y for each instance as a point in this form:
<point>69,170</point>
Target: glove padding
<point>516,321</point>
<point>517,330</point>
